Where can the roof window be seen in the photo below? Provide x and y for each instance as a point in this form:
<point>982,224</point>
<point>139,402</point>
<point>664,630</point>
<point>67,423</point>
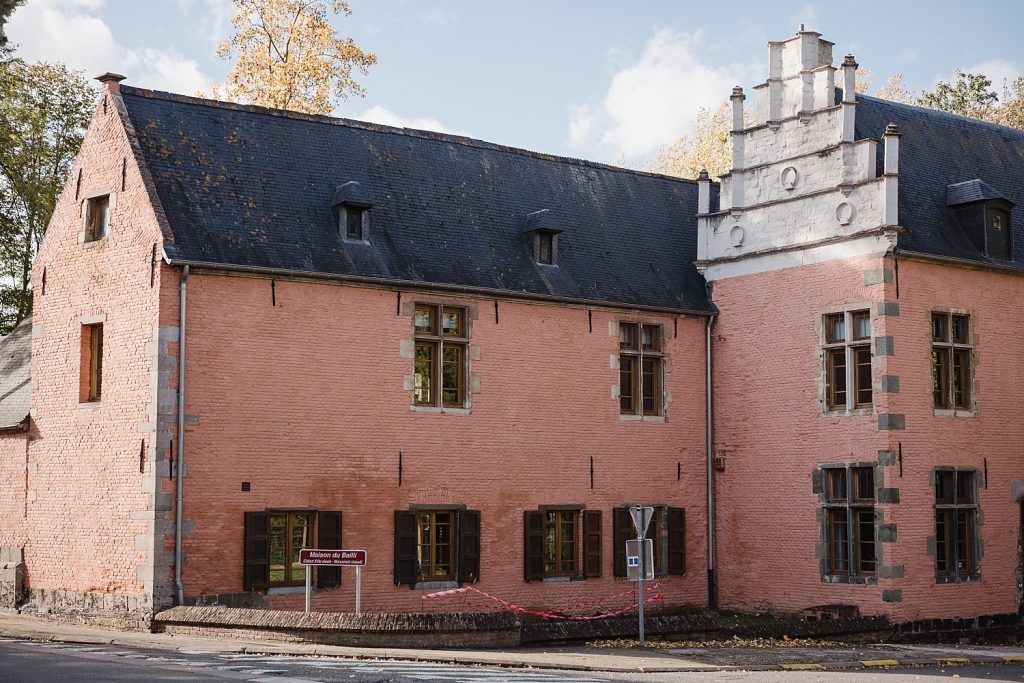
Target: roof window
<point>542,230</point>
<point>351,209</point>
<point>985,215</point>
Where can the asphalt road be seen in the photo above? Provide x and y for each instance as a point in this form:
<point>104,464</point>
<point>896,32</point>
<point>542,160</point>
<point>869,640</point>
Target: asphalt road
<point>30,662</point>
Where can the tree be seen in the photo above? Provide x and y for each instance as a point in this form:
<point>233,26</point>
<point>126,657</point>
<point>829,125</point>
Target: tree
<point>895,91</point>
<point>44,109</point>
<point>7,8</point>
<point>968,96</point>
<point>288,56</point>
<point>707,147</point>
<point>1011,111</point>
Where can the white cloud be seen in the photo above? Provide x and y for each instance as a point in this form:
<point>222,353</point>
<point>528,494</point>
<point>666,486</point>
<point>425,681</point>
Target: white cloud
<point>386,117</point>
<point>998,71</point>
<point>210,19</point>
<point>655,100</point>
<point>73,32</point>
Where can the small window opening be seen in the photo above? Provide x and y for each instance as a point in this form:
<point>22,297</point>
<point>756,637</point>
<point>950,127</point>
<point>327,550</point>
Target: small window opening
<point>998,239</point>
<point>91,381</point>
<point>97,218</point>
<point>546,248</point>
<point>354,220</point>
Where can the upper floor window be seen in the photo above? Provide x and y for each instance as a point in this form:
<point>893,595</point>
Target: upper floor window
<point>951,361</point>
<point>439,375</point>
<point>850,520</point>
<point>546,248</point>
<point>956,520</point>
<point>640,369</point>
<point>848,360</point>
<point>97,217</point>
<point>354,221</point>
<point>997,233</point>
<point>90,387</point>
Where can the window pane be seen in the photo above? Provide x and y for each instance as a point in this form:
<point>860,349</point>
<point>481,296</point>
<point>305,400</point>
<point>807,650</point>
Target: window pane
<point>865,520</point>
<point>550,542</point>
<point>942,546</point>
<point>354,223</point>
<point>940,327</point>
<point>451,322</point>
<point>278,547</point>
<point>451,375</point>
<point>651,336</point>
<point>863,483</point>
<point>965,542</point>
<point>861,325</point>
<point>944,487</point>
<point>839,541</point>
<point>545,247</point>
<point>836,485</point>
<point>837,379</point>
<point>862,375</point>
<point>965,488</point>
<point>835,328</point>
<point>962,378</point>
<point>651,389</point>
<point>424,319</point>
<point>627,368</point>
<point>627,336</point>
<point>960,331</point>
<point>423,374</point>
<point>940,377</point>
<point>299,540</point>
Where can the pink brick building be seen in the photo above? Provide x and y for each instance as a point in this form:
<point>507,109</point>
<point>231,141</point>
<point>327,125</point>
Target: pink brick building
<point>257,331</point>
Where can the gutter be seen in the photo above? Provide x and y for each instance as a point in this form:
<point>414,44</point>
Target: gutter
<point>181,439</point>
<point>392,283</point>
<point>710,438</point>
<point>957,261</point>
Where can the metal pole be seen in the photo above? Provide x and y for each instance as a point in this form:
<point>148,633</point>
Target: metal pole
<point>359,588</point>
<point>643,567</point>
<point>309,583</point>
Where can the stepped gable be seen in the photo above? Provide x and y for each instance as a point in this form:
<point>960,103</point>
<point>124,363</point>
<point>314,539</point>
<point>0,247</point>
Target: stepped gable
<point>253,187</point>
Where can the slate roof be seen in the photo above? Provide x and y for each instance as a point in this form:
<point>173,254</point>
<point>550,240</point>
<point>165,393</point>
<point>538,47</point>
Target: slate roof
<point>15,377</point>
<point>938,150</point>
<point>253,187</point>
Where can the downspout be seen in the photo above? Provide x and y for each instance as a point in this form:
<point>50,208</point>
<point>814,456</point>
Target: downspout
<point>181,439</point>
<point>710,436</point>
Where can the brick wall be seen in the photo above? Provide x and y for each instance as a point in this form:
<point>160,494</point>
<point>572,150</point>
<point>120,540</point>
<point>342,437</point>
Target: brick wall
<point>13,473</point>
<point>308,400</point>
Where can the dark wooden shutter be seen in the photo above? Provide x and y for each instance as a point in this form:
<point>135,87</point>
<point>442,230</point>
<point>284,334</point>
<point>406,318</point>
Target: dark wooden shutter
<point>328,537</point>
<point>592,543</point>
<point>533,545</point>
<point>405,547</point>
<point>676,541</point>
<point>256,573</point>
<point>469,546</point>
<point>622,531</point>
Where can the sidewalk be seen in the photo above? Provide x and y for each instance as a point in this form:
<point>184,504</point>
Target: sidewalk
<point>616,660</point>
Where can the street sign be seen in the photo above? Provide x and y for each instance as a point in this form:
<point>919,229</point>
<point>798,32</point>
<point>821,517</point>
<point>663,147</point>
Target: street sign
<point>332,558</point>
<point>642,516</point>
<point>640,565</point>
<point>315,557</point>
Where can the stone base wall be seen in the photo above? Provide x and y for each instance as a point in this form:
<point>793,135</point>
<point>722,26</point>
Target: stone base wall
<point>128,612</point>
<point>472,630</point>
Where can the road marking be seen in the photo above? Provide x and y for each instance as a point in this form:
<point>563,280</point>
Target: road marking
<point>953,661</point>
<point>879,663</point>
<point>803,666</point>
<point>1013,658</point>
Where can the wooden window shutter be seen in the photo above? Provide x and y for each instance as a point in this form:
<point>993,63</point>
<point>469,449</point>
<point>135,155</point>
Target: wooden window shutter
<point>533,545</point>
<point>328,537</point>
<point>592,543</point>
<point>256,573</point>
<point>405,547</point>
<point>469,546</point>
<point>622,528</point>
<point>676,541</point>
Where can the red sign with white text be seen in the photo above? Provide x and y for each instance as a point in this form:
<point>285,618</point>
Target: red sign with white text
<point>335,558</point>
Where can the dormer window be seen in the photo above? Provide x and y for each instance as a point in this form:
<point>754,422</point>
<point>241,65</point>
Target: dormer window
<point>351,206</point>
<point>542,229</point>
<point>997,233</point>
<point>355,219</point>
<point>985,216</point>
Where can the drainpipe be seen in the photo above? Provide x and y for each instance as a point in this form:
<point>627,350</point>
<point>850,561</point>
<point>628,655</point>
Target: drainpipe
<point>710,437</point>
<point>181,439</point>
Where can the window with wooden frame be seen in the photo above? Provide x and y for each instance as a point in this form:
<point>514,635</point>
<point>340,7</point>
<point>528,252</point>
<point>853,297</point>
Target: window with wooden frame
<point>439,375</point>
<point>640,369</point>
<point>97,217</point>
<point>90,386</point>
<point>437,545</point>
<point>956,522</point>
<point>355,219</point>
<point>554,545</point>
<point>273,539</point>
<point>847,351</point>
<point>850,520</point>
<point>951,361</point>
<point>668,532</point>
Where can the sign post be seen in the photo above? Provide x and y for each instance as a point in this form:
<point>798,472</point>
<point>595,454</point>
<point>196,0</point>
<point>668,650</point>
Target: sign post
<point>641,515</point>
<point>314,557</point>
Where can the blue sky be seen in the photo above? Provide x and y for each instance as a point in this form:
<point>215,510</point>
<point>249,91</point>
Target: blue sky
<point>602,80</point>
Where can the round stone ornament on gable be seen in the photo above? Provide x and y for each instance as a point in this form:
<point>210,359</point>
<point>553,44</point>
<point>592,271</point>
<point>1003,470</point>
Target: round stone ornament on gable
<point>736,236</point>
<point>789,177</point>
<point>845,213</point>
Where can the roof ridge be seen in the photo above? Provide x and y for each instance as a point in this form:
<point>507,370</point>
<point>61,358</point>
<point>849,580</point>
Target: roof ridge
<point>384,128</point>
<point>938,113</point>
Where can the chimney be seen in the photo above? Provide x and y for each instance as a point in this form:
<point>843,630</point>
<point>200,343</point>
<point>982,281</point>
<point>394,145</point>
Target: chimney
<point>111,82</point>
<point>890,177</point>
<point>849,97</point>
<point>703,192</point>
<point>737,98</point>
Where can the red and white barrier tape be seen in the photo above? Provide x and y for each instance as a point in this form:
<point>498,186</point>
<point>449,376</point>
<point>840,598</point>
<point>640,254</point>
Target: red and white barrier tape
<point>505,604</point>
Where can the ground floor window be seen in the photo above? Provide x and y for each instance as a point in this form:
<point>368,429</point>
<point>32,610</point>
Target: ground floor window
<point>561,542</point>
<point>667,532</point>
<point>956,521</point>
<point>850,520</point>
<point>273,539</point>
<point>437,545</point>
